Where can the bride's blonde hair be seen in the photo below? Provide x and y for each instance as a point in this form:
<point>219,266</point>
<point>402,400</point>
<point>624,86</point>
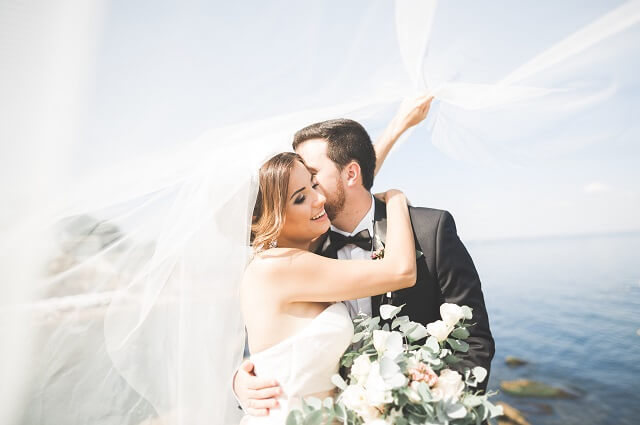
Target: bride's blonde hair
<point>269,211</point>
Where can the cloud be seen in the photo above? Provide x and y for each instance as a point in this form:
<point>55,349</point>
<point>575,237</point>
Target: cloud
<point>596,187</point>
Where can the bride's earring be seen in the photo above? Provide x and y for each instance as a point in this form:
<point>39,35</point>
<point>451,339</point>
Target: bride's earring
<point>273,243</point>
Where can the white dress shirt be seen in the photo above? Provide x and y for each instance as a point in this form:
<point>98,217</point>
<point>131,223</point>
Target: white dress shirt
<point>354,252</point>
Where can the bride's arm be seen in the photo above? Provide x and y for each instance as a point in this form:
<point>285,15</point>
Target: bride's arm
<point>410,113</point>
<point>298,275</point>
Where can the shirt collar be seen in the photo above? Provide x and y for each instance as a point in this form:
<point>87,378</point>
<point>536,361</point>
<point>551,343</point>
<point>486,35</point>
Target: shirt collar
<point>365,223</point>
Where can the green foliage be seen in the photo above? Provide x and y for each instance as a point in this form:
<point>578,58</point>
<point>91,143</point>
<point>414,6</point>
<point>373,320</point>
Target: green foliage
<point>458,345</point>
<point>460,333</point>
<point>410,405</point>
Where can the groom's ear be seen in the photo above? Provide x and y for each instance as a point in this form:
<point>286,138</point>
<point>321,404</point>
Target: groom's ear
<point>353,174</point>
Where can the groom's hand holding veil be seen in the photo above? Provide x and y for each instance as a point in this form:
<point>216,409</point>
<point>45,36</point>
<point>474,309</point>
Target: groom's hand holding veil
<point>412,111</point>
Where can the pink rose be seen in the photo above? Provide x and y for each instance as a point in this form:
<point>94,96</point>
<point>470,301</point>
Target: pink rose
<point>423,373</point>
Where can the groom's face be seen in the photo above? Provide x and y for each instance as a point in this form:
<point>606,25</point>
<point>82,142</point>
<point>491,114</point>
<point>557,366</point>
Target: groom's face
<point>327,174</point>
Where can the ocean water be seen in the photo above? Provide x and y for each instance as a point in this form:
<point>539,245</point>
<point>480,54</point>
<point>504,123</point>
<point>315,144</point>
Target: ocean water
<point>571,308</point>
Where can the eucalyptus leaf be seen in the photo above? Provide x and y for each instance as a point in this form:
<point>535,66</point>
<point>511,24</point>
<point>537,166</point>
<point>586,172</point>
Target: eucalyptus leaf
<point>418,333</point>
<point>295,418</point>
<point>472,400</point>
<point>375,321</point>
<point>357,337</point>
<point>408,328</point>
<point>480,373</point>
<point>314,403</point>
<point>452,359</point>
<point>388,311</point>
<point>456,411</point>
<point>425,393</point>
<point>432,344</point>
<point>399,321</point>
<point>494,410</point>
<point>401,421</point>
<point>467,311</point>
<point>328,403</point>
<point>460,333</point>
<point>338,382</point>
<point>314,418</point>
<point>339,411</point>
<point>458,345</point>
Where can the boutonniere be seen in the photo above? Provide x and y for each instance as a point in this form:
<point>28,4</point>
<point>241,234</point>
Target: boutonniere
<point>378,254</point>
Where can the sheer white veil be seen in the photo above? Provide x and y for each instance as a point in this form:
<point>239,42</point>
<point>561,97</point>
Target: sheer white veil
<point>120,287</point>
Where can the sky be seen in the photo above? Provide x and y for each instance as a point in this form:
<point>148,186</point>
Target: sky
<point>164,73</point>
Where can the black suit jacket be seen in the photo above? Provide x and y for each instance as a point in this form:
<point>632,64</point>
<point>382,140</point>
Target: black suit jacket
<point>446,274</point>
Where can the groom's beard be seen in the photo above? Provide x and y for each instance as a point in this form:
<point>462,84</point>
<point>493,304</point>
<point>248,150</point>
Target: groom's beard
<point>335,203</point>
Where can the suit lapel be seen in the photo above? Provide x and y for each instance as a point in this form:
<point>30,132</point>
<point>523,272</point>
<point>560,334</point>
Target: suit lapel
<point>379,239</point>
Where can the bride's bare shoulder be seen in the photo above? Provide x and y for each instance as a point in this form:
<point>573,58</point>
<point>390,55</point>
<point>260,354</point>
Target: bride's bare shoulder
<point>272,261</point>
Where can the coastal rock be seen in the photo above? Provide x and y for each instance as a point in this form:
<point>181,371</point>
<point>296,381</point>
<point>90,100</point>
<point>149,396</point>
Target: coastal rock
<point>528,388</point>
<point>512,416</point>
<point>513,361</point>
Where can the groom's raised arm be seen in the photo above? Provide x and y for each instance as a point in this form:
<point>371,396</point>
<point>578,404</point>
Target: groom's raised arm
<point>460,284</point>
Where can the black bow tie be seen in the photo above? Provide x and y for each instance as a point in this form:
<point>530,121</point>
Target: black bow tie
<point>361,239</point>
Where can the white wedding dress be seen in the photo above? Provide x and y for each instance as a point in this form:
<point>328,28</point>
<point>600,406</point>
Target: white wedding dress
<point>304,362</point>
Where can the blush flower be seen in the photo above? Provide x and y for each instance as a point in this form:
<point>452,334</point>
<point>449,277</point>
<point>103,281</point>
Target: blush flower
<point>449,386</point>
<point>422,373</point>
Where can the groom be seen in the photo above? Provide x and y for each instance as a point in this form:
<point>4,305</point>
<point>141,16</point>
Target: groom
<point>340,153</point>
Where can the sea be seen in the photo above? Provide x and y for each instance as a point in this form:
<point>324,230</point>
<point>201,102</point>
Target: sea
<point>569,307</point>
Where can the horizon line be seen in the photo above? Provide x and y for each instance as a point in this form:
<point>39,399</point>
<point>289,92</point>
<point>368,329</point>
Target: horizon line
<point>629,232</point>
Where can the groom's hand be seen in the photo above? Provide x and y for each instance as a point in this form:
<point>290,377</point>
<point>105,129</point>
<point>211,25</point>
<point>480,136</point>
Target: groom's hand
<point>256,395</point>
<point>411,112</point>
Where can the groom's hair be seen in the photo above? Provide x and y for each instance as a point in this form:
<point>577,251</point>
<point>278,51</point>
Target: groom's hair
<point>347,141</point>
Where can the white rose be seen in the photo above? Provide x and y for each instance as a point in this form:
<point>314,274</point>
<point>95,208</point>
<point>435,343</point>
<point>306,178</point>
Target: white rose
<point>388,343</point>
<point>369,414</point>
<point>439,329</point>
<point>449,386</point>
<point>354,397</point>
<point>377,390</point>
<point>451,313</point>
<point>361,366</point>
<point>391,373</point>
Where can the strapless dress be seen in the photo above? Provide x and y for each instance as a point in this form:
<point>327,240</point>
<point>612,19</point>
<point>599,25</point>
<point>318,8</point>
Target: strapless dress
<point>304,363</point>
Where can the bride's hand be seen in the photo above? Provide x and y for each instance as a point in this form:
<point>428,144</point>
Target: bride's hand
<point>389,194</point>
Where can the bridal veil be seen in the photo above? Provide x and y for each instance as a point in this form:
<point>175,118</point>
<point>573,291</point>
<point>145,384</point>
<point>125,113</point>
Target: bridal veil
<point>119,285</point>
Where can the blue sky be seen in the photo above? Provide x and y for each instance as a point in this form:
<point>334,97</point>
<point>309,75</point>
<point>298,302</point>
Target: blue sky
<point>165,73</point>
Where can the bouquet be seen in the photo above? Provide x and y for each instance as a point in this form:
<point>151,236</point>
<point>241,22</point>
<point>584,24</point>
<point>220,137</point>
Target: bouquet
<point>388,377</point>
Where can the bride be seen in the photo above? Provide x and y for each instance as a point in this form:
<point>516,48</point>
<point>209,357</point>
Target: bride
<point>296,331</point>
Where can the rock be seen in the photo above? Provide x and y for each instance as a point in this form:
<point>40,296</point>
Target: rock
<point>512,416</point>
<point>528,388</point>
<point>513,361</point>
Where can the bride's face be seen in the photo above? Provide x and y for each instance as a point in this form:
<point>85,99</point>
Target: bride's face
<point>305,217</point>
